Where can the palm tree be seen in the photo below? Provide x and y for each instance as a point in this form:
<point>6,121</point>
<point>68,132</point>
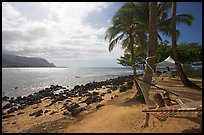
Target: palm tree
<point>148,73</point>
<point>125,31</point>
<point>141,10</point>
<point>179,69</point>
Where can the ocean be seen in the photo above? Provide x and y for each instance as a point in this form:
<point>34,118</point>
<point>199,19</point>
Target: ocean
<point>25,81</point>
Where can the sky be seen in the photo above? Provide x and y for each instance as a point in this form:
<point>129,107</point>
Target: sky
<point>71,34</point>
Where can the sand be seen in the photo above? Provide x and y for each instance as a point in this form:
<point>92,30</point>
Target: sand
<point>115,116</point>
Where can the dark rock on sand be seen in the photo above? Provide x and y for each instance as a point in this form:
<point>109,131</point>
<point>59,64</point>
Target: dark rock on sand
<point>66,113</point>
<point>99,105</point>
<point>129,84</point>
<point>7,116</point>
<point>71,106</point>
<point>13,109</point>
<point>93,98</point>
<point>102,94</point>
<point>77,111</point>
<point>22,106</point>
<point>53,112</point>
<point>122,89</point>
<point>37,113</point>
<point>46,111</point>
<point>8,105</point>
<point>20,113</point>
<point>109,91</point>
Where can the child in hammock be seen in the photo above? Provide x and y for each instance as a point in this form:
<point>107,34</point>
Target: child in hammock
<point>157,98</point>
<point>168,101</point>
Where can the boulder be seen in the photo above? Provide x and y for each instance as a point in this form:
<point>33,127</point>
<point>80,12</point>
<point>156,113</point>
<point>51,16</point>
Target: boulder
<point>7,116</point>
<point>46,111</point>
<point>108,91</point>
<point>122,89</point>
<point>76,111</point>
<point>13,109</point>
<point>99,105</point>
<point>8,105</point>
<point>71,106</point>
<point>76,87</point>
<point>22,106</point>
<point>5,98</point>
<point>66,113</point>
<point>37,113</point>
<point>93,98</point>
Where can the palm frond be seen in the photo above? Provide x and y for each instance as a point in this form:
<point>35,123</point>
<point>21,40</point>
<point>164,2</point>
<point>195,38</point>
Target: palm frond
<point>184,19</point>
<point>114,42</point>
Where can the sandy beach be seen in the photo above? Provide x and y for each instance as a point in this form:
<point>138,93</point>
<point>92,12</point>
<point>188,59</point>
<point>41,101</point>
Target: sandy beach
<point>111,115</point>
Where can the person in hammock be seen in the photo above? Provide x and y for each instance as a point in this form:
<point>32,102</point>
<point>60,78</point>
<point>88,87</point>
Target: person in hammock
<point>168,101</point>
<point>157,98</point>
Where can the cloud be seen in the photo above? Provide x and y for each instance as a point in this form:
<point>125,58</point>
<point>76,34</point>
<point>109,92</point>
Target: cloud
<point>54,30</point>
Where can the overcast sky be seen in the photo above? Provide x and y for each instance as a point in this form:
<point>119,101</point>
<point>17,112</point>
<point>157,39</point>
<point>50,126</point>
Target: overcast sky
<point>67,34</point>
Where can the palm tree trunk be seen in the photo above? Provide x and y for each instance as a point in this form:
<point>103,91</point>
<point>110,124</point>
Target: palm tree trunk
<point>138,96</point>
<point>148,73</point>
<point>182,75</point>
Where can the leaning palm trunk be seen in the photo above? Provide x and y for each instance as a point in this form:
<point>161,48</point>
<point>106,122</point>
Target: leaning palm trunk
<point>139,96</point>
<point>148,73</point>
<point>182,75</point>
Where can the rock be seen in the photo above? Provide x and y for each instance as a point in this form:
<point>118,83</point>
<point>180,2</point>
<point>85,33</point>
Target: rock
<point>76,111</point>
<point>129,84</point>
<point>35,107</point>
<point>3,113</point>
<point>102,94</point>
<point>92,99</point>
<point>66,113</point>
<point>95,93</point>
<point>13,109</point>
<point>12,100</point>
<point>53,112</point>
<point>7,116</point>
<point>20,113</point>
<point>46,111</point>
<point>99,105</point>
<point>71,106</point>
<point>122,89</point>
<point>5,98</point>
<point>76,87</point>
<point>22,106</point>
<point>37,113</point>
<point>108,91</point>
<point>111,97</point>
<point>8,105</point>
<point>116,96</point>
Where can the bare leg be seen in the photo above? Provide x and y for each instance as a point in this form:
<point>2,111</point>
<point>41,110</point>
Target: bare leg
<point>146,123</point>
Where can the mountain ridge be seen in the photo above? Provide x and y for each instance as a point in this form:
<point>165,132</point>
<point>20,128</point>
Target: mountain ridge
<point>9,60</point>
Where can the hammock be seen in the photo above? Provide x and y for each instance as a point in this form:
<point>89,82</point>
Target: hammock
<point>188,110</point>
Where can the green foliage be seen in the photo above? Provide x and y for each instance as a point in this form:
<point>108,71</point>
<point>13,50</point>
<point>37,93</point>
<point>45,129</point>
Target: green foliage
<point>163,51</point>
<point>189,52</point>
<point>125,60</point>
